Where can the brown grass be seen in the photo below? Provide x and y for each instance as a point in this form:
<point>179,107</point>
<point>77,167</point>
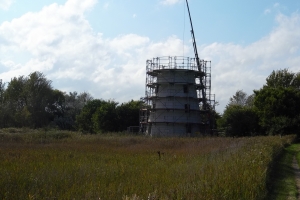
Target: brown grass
<point>44,166</point>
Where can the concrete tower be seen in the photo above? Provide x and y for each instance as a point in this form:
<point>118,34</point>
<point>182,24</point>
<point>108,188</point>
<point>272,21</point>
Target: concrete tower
<point>173,98</point>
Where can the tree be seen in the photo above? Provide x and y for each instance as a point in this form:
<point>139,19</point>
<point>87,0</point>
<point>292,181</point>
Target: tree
<point>239,98</point>
<point>74,103</point>
<point>29,101</point>
<point>2,105</point>
<point>56,105</point>
<point>278,109</point>
<point>56,109</point>
<point>84,121</point>
<point>128,114</point>
<point>38,92</point>
<point>2,90</point>
<point>250,101</point>
<point>278,103</point>
<point>15,102</point>
<point>71,107</point>
<point>239,117</point>
<point>283,78</point>
<point>105,118</point>
<point>239,121</point>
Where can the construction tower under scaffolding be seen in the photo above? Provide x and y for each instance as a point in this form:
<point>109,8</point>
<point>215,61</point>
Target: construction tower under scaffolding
<point>178,99</point>
<point>174,104</point>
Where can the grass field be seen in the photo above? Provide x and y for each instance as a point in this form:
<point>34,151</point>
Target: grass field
<point>283,179</point>
<point>64,165</point>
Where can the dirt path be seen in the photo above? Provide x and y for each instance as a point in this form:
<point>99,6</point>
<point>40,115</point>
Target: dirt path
<point>297,175</point>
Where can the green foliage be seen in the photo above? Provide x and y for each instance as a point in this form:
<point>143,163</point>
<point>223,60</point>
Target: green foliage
<point>31,102</point>
<point>278,109</point>
<point>15,103</point>
<point>239,121</point>
<point>128,114</point>
<point>56,105</point>
<point>3,112</point>
<point>37,136</point>
<point>283,78</point>
<point>69,108</point>
<point>38,92</point>
<point>239,98</point>
<point>239,117</point>
<point>274,109</point>
<point>84,119</point>
<point>105,117</point>
<point>25,101</point>
<point>216,120</point>
<point>104,167</point>
<point>278,103</point>
<point>2,90</point>
<point>282,180</point>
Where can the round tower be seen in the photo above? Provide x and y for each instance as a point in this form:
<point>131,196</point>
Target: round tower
<point>173,97</point>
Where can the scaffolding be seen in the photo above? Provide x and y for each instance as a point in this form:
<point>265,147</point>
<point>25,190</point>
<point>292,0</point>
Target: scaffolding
<point>174,101</point>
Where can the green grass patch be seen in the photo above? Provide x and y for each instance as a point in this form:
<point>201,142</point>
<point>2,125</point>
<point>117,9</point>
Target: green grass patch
<point>128,167</point>
<point>282,180</point>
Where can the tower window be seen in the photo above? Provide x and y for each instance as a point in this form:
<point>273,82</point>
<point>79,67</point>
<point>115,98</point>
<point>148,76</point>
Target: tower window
<point>187,107</point>
<point>185,89</point>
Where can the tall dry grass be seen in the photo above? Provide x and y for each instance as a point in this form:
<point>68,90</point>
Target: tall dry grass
<point>112,167</point>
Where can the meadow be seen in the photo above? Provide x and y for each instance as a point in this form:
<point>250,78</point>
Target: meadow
<point>64,165</point>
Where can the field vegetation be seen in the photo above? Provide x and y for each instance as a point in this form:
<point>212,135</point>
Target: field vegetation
<point>285,176</point>
<point>67,165</point>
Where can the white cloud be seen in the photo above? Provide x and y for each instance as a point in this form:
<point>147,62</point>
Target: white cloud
<point>276,8</point>
<point>170,2</point>
<point>125,42</point>
<point>237,67</point>
<point>59,41</point>
<point>80,6</point>
<point>5,4</point>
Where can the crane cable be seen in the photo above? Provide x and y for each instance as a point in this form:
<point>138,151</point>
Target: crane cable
<point>183,37</point>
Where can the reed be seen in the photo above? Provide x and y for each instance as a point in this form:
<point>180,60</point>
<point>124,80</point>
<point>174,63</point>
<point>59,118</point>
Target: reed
<point>130,167</point>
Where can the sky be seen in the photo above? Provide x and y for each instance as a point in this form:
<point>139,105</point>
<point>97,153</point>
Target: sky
<point>101,46</point>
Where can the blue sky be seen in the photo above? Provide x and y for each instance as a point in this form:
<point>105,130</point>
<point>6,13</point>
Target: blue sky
<point>101,46</point>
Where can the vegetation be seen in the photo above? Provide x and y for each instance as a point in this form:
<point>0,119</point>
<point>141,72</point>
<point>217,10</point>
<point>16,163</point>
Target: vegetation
<point>63,165</point>
<point>272,110</point>
<point>41,159</point>
<point>239,117</point>
<point>283,177</point>
<point>32,102</point>
<point>278,109</point>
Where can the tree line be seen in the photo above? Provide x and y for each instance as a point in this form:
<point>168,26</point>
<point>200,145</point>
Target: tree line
<point>274,109</point>
<point>32,102</point>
